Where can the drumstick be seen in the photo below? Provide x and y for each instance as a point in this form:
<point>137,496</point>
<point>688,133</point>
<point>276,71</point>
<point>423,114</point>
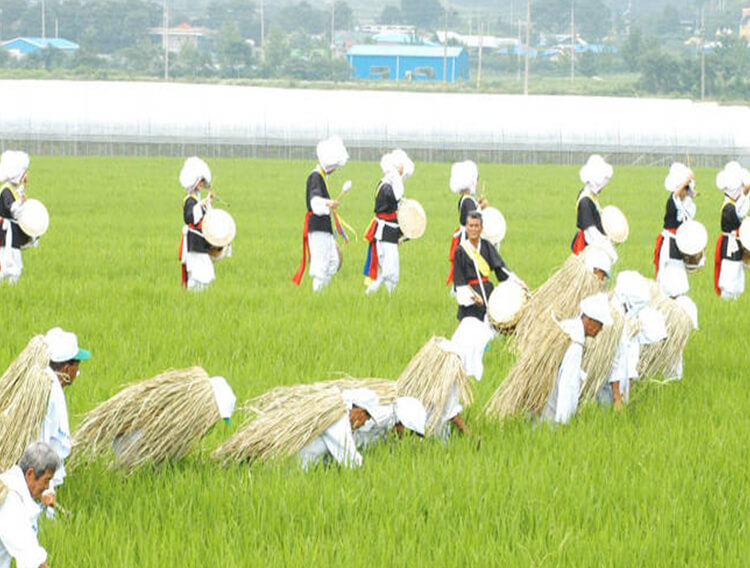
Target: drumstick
<point>344,189</point>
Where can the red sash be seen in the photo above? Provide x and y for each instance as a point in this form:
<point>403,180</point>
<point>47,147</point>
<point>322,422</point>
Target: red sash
<point>371,263</point>
<point>183,268</point>
<point>579,243</point>
<point>717,265</point>
<point>454,245</point>
<point>297,278</point>
<point>657,250</point>
<point>475,281</point>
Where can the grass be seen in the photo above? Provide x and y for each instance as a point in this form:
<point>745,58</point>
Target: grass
<point>664,483</point>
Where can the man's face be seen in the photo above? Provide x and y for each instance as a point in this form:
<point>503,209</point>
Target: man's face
<point>473,228</point>
<point>71,370</point>
<point>600,274</point>
<point>38,485</point>
<point>591,327</point>
<point>357,417</point>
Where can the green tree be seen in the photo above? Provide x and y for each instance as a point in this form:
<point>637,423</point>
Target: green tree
<point>390,15</point>
<point>276,52</point>
<point>426,14</point>
<point>192,62</point>
<point>303,16</point>
<point>344,17</point>
<point>632,49</point>
<point>235,55</point>
<point>242,13</point>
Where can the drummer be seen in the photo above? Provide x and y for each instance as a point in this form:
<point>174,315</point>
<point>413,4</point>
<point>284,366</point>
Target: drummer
<point>729,276</point>
<point>594,175</point>
<point>669,261</point>
<point>384,234</point>
<point>14,176</point>
<point>475,258</point>
<point>464,180</point>
<point>197,267</point>
<point>318,241</point>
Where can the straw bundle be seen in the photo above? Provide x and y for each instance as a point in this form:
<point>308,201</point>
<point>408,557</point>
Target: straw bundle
<point>281,396</point>
<point>24,393</point>
<point>280,430</point>
<point>599,356</point>
<point>663,357</point>
<point>531,380</point>
<point>3,492</point>
<point>159,419</point>
<point>430,376</point>
<point>561,294</point>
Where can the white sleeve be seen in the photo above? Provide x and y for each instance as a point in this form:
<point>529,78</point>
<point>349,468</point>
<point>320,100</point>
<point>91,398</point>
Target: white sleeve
<point>569,383</point>
<point>15,208</point>
<point>594,237</point>
<point>742,205</point>
<point>685,208</point>
<point>339,440</point>
<point>319,205</point>
<point>465,295</point>
<point>197,213</point>
<point>18,536</point>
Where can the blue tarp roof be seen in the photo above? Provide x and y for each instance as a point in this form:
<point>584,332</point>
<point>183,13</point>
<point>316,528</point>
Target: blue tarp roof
<point>42,43</point>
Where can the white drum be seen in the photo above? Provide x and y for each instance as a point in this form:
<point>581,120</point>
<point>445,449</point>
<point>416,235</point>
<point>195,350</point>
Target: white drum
<point>411,218</point>
<point>505,304</point>
<point>218,228</point>
<point>615,224</point>
<point>493,225</point>
<point>34,219</point>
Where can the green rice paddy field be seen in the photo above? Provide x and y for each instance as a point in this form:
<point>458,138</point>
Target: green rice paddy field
<point>664,483</point>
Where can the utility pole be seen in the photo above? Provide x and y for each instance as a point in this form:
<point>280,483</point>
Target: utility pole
<point>572,40</point>
<point>445,44</point>
<point>262,33</point>
<point>333,27</point>
<point>528,47</point>
<point>703,60</point>
<point>479,63</point>
<point>165,23</point>
<point>44,27</point>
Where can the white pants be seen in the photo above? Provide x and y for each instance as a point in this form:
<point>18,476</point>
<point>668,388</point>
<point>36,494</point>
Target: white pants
<point>388,267</point>
<point>471,338</point>
<point>200,270</point>
<point>11,264</point>
<point>324,260</point>
<point>672,274</point>
<point>731,279</point>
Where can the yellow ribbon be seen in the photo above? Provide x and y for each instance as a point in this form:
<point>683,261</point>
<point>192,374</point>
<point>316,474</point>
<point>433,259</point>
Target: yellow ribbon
<point>484,268</point>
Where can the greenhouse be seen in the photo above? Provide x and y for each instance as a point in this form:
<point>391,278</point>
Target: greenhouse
<point>128,118</point>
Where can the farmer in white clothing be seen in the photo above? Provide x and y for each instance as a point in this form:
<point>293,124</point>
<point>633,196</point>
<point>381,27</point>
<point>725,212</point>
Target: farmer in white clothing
<point>563,400</point>
<point>65,357</point>
<point>19,487</point>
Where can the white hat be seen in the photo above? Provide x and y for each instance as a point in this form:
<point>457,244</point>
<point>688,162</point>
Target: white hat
<point>398,158</point>
<point>464,175</point>
<point>493,225</point>
<point>411,413</point>
<point>690,308</point>
<point>224,396</point>
<point>364,398</point>
<point>679,175</point>
<point>653,326</point>
<point>597,257</point>
<point>193,171</point>
<point>13,165</point>
<point>633,290</point>
<point>691,237</point>
<point>597,308</point>
<point>63,346</point>
<point>615,224</point>
<point>33,218</point>
<point>332,153</point>
<point>595,173</point>
<point>732,179</point>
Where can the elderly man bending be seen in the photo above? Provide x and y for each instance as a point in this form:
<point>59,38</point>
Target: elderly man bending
<point>19,487</point>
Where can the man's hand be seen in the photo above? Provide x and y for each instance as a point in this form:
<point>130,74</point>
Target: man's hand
<point>483,203</point>
<point>357,417</point>
<point>478,300</point>
<point>48,499</point>
<point>333,203</point>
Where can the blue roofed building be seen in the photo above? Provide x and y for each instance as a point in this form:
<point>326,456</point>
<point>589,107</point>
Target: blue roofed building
<point>26,45</point>
<point>408,62</point>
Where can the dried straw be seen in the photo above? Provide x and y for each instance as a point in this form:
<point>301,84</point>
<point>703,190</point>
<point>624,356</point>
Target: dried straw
<point>166,415</point>
<point>661,358</point>
<point>24,393</point>
<point>3,492</point>
<point>599,356</point>
<point>280,429</point>
<point>561,294</point>
<point>531,380</point>
<point>430,376</point>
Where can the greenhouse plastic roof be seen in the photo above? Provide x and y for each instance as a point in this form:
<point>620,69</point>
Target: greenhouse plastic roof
<point>193,113</point>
